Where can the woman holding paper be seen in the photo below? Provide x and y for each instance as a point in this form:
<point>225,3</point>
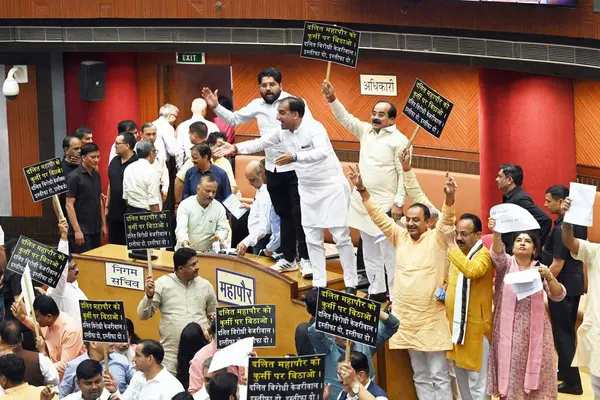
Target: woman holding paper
<point>522,360</point>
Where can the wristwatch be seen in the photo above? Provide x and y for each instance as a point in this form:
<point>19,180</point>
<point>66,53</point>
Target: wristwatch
<point>294,157</point>
<point>356,388</point>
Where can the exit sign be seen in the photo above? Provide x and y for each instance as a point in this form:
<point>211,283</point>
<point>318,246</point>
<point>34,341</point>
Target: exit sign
<point>189,58</point>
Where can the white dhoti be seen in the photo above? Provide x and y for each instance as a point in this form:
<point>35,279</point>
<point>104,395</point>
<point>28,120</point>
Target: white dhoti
<point>324,205</point>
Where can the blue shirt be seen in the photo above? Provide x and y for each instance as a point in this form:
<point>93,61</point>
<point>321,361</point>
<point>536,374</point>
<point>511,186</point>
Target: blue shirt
<point>192,180</point>
<point>118,365</point>
<point>325,344</point>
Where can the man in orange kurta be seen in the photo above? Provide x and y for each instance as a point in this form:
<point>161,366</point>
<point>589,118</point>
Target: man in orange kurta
<point>62,336</point>
<point>420,270</point>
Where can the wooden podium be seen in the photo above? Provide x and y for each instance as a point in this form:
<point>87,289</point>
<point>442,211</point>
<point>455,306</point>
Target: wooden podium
<point>283,289</point>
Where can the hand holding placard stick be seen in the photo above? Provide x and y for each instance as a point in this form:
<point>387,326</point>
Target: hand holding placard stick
<point>331,43</point>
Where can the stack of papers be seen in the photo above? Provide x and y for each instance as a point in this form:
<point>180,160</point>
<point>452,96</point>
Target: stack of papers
<point>524,283</point>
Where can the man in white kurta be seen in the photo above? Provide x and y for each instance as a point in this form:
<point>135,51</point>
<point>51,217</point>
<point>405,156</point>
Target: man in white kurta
<point>381,144</point>
<point>324,190</point>
<point>167,142</point>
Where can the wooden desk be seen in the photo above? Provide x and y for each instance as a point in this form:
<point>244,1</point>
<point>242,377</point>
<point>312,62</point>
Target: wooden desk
<point>284,290</point>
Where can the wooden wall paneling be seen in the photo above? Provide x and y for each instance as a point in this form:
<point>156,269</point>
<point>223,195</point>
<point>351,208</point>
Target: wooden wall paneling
<point>303,78</point>
<point>587,122</point>
<point>22,121</point>
<point>580,21</point>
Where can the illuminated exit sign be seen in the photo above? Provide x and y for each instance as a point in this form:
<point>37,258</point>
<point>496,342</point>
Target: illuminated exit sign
<point>189,58</point>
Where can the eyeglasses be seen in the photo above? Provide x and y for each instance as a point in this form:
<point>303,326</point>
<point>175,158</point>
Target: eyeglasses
<point>463,234</point>
<point>117,143</point>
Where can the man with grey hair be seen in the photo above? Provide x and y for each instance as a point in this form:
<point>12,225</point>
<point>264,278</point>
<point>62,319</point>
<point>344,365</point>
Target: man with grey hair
<point>149,132</point>
<point>198,114</point>
<point>166,139</point>
<point>141,181</point>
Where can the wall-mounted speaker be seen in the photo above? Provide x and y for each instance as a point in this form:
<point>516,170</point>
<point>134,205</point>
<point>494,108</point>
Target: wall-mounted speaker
<point>92,80</point>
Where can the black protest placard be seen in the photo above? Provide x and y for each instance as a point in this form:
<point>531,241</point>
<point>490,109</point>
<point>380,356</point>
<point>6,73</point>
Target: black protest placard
<point>330,43</point>
<point>103,321</point>
<point>286,378</point>
<point>148,230</point>
<point>347,316</point>
<point>240,322</point>
<point>45,263</point>
<point>427,108</point>
<point>45,179</point>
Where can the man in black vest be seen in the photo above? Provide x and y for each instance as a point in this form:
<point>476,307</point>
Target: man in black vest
<point>355,378</point>
<point>39,370</point>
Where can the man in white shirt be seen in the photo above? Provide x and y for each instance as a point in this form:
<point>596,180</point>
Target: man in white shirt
<point>198,115</point>
<point>141,181</point>
<point>282,181</point>
<point>149,132</point>
<point>167,141</point>
<point>201,221</point>
<point>324,190</point>
<point>152,381</point>
<point>381,144</point>
<point>259,222</point>
<point>67,294</point>
<point>93,384</point>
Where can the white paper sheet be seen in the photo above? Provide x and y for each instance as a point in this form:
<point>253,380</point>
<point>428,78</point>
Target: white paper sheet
<point>524,283</point>
<point>234,354</point>
<point>27,290</point>
<point>234,205</point>
<point>513,218</point>
<point>581,211</point>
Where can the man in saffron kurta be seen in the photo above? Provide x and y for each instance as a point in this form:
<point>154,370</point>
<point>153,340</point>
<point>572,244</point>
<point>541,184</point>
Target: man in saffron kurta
<point>420,270</point>
<point>469,305</point>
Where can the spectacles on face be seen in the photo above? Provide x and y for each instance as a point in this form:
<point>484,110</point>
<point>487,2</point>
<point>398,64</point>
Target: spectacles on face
<point>73,268</point>
<point>118,143</point>
<point>463,234</point>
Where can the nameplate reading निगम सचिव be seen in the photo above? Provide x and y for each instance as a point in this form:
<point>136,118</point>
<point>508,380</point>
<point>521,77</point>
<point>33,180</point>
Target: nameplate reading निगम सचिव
<point>124,276</point>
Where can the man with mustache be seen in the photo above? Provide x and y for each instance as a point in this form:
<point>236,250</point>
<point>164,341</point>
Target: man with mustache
<point>381,144</point>
<point>282,181</point>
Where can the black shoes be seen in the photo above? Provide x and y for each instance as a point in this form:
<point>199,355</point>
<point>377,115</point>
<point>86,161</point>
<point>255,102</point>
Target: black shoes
<point>564,388</point>
<point>351,290</point>
<point>378,297</point>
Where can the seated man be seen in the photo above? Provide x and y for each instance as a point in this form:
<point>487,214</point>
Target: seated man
<point>260,235</point>
<point>152,381</point>
<point>303,345</point>
<point>334,348</point>
<point>91,383</point>
<point>39,370</point>
<point>200,220</point>
<point>118,365</point>
<point>63,335</point>
<point>12,379</point>
<point>358,378</point>
<point>224,387</point>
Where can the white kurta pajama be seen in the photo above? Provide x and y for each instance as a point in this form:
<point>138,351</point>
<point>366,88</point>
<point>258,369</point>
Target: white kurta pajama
<point>324,193</point>
<point>381,171</point>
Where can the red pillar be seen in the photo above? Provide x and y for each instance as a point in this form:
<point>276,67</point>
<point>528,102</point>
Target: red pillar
<point>120,102</point>
<point>527,120</point>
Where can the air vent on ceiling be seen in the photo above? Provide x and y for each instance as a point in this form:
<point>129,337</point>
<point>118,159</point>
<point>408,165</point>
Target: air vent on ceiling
<point>443,44</point>
<point>419,43</point>
<point>498,48</point>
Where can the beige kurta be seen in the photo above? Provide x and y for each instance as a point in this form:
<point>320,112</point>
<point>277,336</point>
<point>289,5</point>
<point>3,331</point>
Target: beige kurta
<point>588,334</point>
<point>379,164</point>
<point>179,305</point>
<point>420,270</point>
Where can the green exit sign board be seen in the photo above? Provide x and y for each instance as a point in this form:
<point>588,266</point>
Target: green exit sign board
<point>189,58</point>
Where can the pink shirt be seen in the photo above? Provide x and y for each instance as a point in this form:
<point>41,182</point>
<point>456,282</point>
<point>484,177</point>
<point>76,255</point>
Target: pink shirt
<point>64,340</point>
<point>227,129</point>
<point>197,370</point>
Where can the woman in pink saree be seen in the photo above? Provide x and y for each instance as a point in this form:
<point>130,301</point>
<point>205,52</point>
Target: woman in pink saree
<point>522,358</point>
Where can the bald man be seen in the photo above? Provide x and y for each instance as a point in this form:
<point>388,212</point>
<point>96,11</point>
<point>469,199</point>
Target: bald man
<point>263,222</point>
<point>198,114</point>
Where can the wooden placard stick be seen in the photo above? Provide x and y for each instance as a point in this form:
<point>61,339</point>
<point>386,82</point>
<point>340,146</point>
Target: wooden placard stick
<point>348,350</point>
<point>412,138</point>
<point>35,323</point>
<point>328,71</point>
<point>149,256</point>
<point>57,208</point>
<point>105,358</point>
